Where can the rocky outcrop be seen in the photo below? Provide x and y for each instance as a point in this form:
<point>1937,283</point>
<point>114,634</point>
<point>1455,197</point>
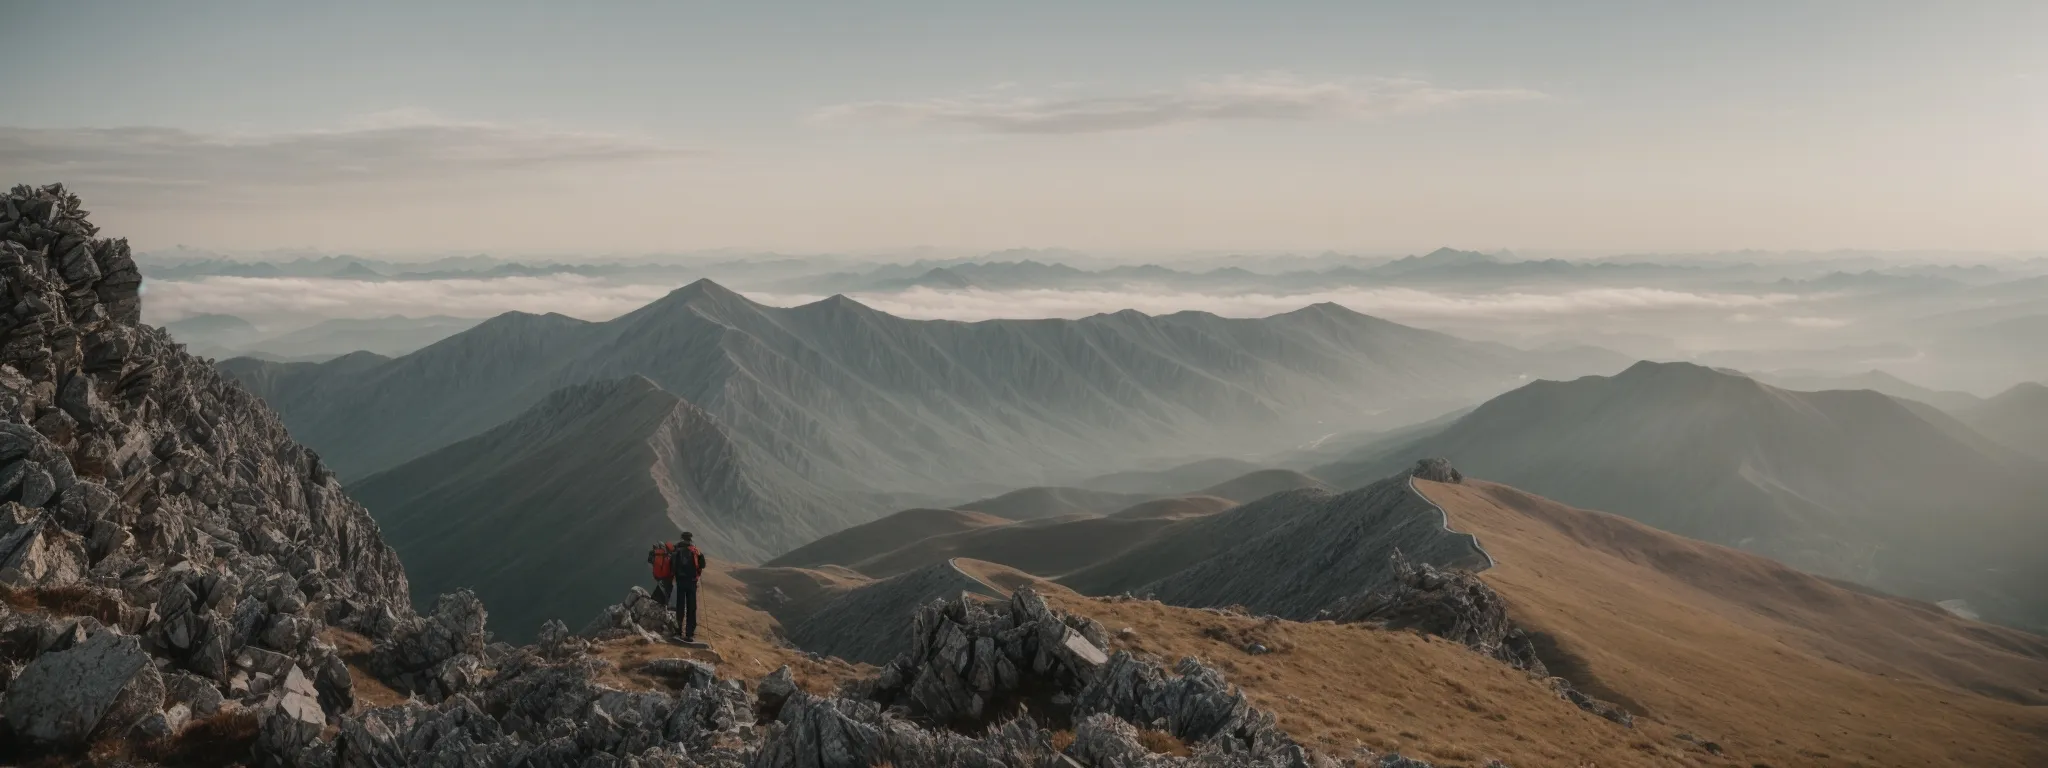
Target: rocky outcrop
<point>1439,470</point>
<point>1457,605</point>
<point>865,624</point>
<point>640,615</point>
<point>64,696</point>
<point>1451,604</point>
<point>159,516</point>
<point>970,660</point>
<point>439,654</point>
<point>533,710</point>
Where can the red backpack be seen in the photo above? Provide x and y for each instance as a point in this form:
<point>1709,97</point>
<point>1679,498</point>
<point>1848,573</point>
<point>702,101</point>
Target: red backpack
<point>663,557</point>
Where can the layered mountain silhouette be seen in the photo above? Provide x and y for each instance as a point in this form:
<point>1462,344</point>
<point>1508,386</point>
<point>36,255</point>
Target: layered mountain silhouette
<point>547,515</point>
<point>1851,484</point>
<point>1876,381</point>
<point>852,397</point>
<point>2017,417</point>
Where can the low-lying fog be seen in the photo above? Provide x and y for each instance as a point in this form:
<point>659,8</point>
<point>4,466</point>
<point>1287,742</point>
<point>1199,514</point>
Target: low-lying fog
<point>1974,323</point>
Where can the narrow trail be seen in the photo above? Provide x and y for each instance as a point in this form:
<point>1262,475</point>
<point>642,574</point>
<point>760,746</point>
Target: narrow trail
<point>1447,523</point>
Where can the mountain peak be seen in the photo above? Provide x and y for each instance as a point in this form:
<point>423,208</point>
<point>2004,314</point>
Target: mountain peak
<point>1448,253</point>
<point>840,304</point>
<point>1652,373</point>
<point>1441,258</point>
<point>703,288</point>
<point>704,294</point>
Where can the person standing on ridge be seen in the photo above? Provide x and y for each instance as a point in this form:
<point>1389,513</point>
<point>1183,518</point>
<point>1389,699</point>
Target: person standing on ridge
<point>677,568</point>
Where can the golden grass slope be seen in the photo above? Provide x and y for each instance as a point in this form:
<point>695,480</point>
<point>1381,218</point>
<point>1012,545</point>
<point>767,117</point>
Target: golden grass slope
<point>1780,667</point>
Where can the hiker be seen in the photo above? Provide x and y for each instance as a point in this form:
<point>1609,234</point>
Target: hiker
<point>677,567</point>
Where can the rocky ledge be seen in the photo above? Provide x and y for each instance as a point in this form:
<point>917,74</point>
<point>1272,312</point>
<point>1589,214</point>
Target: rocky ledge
<point>1458,606</point>
<point>167,553</point>
<point>1009,683</point>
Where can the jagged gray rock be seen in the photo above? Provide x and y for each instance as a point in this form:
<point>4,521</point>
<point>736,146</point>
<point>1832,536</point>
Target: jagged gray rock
<point>438,655</point>
<point>291,722</point>
<point>1458,606</point>
<point>967,657</point>
<point>1439,470</point>
<point>1452,604</point>
<point>143,488</point>
<point>865,624</point>
<point>639,614</point>
<point>62,697</point>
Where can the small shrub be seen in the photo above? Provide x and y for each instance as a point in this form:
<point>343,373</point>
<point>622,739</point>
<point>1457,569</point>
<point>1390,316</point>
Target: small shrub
<point>227,738</point>
<point>1061,740</point>
<point>1163,743</point>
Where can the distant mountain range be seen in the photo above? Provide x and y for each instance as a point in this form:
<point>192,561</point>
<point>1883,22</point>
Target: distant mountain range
<point>2017,417</point>
<point>856,398</point>
<point>545,516</point>
<point>227,336</point>
<point>1444,265</point>
<point>503,457</point>
<point>1851,484</point>
<point>1875,380</point>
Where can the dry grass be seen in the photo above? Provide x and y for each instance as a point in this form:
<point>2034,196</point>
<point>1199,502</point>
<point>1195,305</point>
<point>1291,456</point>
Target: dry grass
<point>742,640</point>
<point>1336,688</point>
<point>1777,667</point>
<point>1061,739</point>
<point>223,739</point>
<point>355,650</point>
<point>70,600</point>
<point>1163,743</point>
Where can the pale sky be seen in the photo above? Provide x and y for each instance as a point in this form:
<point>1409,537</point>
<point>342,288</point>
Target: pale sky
<point>827,126</point>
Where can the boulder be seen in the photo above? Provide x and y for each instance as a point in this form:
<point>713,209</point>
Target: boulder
<point>1439,470</point>
<point>62,696</point>
<point>1452,604</point>
<point>291,721</point>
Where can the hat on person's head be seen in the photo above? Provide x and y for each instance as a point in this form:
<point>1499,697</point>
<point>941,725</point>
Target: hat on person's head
<point>686,536</point>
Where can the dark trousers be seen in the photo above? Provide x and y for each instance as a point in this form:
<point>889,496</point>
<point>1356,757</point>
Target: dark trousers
<point>685,591</point>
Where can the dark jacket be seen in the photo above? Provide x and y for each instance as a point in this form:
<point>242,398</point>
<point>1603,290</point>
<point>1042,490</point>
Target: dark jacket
<point>680,547</point>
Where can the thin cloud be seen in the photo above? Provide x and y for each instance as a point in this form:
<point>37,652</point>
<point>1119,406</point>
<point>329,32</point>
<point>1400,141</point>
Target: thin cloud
<point>1277,98</point>
<point>1404,304</point>
<point>572,295</point>
<point>384,147</point>
<point>597,299</point>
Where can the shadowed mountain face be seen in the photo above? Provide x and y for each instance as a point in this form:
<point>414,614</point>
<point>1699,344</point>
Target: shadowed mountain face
<point>2017,417</point>
<point>1852,484</point>
<point>1290,554</point>
<point>546,516</point>
<point>851,397</point>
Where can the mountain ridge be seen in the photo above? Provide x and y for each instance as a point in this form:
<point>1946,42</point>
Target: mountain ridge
<point>853,397</point>
<point>1836,482</point>
<point>604,467</point>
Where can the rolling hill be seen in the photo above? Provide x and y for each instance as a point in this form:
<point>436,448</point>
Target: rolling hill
<point>547,515</point>
<point>1704,644</point>
<point>851,397</point>
<point>1778,666</point>
<point>1850,484</point>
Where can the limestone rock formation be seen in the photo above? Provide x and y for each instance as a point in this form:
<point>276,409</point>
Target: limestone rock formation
<point>1457,606</point>
<point>1439,470</point>
<point>62,696</point>
<point>1452,604</point>
<point>438,654</point>
<point>866,623</point>
<point>184,550</point>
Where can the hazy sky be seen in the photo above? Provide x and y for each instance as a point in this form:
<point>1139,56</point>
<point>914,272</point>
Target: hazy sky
<point>632,127</point>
